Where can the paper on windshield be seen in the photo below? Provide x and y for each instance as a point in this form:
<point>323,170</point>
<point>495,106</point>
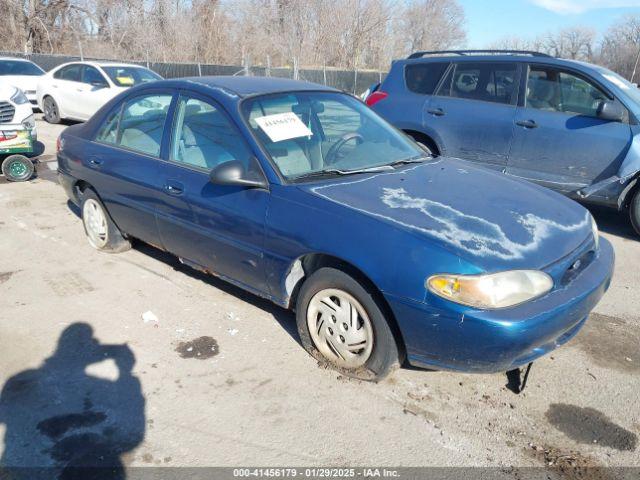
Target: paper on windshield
<point>283,126</point>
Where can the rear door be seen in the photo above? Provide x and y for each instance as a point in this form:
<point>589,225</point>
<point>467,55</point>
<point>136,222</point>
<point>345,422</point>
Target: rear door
<point>559,141</point>
<point>473,111</point>
<point>67,85</point>
<point>219,228</point>
<point>124,162</point>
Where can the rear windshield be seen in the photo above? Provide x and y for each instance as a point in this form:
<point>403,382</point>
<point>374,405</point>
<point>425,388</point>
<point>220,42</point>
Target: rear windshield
<point>16,67</point>
<point>130,76</point>
<point>423,78</point>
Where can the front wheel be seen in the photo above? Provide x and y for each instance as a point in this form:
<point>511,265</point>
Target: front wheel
<point>634,211</point>
<point>341,323</point>
<point>51,110</point>
<point>101,232</point>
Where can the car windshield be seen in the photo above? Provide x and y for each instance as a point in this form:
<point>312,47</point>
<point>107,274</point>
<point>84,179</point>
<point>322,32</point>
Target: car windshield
<point>629,88</point>
<point>17,67</point>
<point>309,133</point>
<point>130,76</point>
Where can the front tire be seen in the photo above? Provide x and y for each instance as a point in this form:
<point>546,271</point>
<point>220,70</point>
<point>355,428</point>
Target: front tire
<point>51,110</point>
<point>341,323</point>
<point>102,233</point>
<point>634,211</point>
<point>17,168</point>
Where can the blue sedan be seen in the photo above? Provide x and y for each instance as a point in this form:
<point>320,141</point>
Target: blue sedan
<point>301,194</point>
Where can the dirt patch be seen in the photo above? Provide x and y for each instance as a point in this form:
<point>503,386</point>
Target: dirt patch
<point>5,276</point>
<point>589,426</point>
<point>68,284</point>
<point>200,348</point>
<point>611,342</point>
<point>569,464</point>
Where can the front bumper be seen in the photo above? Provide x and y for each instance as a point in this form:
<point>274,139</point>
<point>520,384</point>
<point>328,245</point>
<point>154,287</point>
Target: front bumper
<point>487,341</point>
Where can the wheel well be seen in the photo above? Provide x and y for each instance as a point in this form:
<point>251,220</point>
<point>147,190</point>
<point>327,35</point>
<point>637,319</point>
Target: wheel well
<point>423,138</point>
<point>310,263</point>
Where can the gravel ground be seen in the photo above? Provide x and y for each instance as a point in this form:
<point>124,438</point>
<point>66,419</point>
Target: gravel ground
<point>213,376</point>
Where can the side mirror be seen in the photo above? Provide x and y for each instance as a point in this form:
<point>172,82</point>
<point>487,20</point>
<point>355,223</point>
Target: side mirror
<point>233,173</point>
<point>98,84</point>
<point>610,110</point>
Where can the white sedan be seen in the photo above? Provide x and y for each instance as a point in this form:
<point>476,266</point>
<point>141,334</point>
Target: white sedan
<point>22,74</point>
<point>77,90</point>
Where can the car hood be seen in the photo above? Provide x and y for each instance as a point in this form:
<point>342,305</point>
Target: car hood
<point>23,82</point>
<point>492,221</point>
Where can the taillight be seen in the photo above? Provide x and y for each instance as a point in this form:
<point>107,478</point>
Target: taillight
<point>375,97</point>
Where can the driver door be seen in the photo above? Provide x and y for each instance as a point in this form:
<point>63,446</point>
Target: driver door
<point>217,228</point>
<point>559,141</point>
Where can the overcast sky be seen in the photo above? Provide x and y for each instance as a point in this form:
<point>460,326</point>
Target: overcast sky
<point>490,20</point>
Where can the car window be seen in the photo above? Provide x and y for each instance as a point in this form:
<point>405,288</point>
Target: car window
<point>306,132</point>
<point>559,91</point>
<point>108,132</point>
<point>141,124</point>
<point>19,67</point>
<point>204,137</point>
<point>489,82</point>
<point>70,72</point>
<point>91,75</point>
<point>124,76</point>
<point>423,78</point>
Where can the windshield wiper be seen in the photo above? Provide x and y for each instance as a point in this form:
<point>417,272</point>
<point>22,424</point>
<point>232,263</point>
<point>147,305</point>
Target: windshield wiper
<point>337,171</point>
<point>416,159</point>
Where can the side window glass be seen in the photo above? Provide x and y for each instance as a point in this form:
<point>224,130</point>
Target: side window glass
<point>423,78</point>
<point>108,132</point>
<point>92,76</point>
<point>71,73</point>
<point>142,123</point>
<point>489,82</point>
<point>579,96</point>
<point>204,137</point>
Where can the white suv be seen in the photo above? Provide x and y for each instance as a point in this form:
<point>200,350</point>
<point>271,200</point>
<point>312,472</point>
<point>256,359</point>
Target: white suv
<point>21,73</point>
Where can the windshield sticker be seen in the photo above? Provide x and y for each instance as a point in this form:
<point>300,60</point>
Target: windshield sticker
<point>283,126</point>
<point>125,81</point>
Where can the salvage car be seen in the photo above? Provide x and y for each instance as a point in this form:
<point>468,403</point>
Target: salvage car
<point>301,194</point>
<point>570,126</point>
<point>17,134</point>
<point>77,90</point>
<point>23,74</point>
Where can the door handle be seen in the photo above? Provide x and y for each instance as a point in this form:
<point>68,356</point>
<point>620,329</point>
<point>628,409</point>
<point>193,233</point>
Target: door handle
<point>436,112</point>
<point>174,189</point>
<point>95,162</point>
<point>527,123</point>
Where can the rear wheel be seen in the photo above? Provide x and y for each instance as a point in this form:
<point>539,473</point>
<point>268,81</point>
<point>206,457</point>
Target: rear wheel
<point>341,323</point>
<point>634,211</point>
<point>17,168</point>
<point>101,232</point>
<point>51,110</point>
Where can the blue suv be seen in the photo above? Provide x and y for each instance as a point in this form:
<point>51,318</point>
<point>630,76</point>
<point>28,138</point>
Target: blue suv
<point>567,125</point>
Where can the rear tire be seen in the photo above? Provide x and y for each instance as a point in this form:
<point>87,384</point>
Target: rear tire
<point>634,211</point>
<point>102,233</point>
<point>17,168</point>
<point>341,324</point>
<point>50,110</point>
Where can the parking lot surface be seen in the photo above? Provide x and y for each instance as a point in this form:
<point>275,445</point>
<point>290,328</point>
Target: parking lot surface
<point>199,373</point>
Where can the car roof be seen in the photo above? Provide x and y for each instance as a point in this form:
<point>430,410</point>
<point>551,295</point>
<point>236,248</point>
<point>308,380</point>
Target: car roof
<point>2,59</point>
<point>497,58</point>
<point>99,64</point>
<point>248,86</point>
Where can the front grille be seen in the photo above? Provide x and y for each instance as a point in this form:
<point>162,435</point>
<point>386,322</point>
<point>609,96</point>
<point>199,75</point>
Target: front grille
<point>7,111</point>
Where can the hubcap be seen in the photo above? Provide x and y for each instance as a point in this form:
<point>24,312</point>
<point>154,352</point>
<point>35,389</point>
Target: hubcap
<point>95,223</point>
<point>340,328</point>
<point>49,108</point>
<point>18,169</point>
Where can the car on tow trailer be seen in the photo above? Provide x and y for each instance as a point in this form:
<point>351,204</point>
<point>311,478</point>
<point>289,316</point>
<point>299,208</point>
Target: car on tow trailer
<point>301,194</point>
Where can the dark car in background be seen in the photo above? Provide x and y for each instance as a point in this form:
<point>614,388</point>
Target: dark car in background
<point>567,125</point>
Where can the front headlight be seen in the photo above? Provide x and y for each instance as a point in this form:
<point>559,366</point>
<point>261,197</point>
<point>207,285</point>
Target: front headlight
<point>29,123</point>
<point>596,233</point>
<point>490,291</point>
<point>19,98</point>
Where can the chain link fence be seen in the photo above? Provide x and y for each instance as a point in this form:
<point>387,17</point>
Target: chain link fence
<point>353,81</point>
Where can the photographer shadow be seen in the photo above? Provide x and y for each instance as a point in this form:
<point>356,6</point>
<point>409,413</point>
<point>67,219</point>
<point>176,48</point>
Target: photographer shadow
<point>65,424</point>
